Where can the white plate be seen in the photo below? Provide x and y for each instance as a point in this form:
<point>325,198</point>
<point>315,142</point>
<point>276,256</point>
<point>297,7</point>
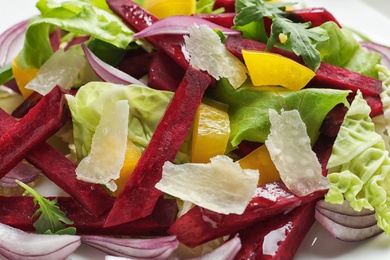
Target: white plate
<point>370,17</point>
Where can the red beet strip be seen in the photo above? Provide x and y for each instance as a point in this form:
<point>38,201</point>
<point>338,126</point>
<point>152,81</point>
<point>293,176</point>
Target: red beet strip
<point>165,73</point>
<point>327,76</point>
<point>285,233</point>
<point>17,211</point>
<point>139,196</point>
<point>138,19</point>
<point>200,225</point>
<point>62,172</point>
<point>316,16</point>
<point>41,122</point>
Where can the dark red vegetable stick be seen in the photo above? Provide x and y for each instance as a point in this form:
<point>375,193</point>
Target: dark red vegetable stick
<point>200,225</point>
<point>138,19</point>
<point>139,196</point>
<point>41,122</point>
<point>278,237</point>
<point>165,73</point>
<point>26,105</point>
<point>327,76</point>
<point>17,211</point>
<point>62,172</point>
<point>316,15</point>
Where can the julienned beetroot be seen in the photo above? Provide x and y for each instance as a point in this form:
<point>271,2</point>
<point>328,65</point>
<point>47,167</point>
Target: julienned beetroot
<point>40,123</point>
<point>62,172</point>
<point>139,196</point>
<point>139,19</point>
<point>278,237</point>
<point>17,211</point>
<point>200,225</point>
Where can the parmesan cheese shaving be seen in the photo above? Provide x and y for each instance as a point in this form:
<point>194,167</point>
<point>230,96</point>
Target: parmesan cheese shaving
<point>208,53</point>
<point>290,150</point>
<point>104,162</point>
<point>221,185</point>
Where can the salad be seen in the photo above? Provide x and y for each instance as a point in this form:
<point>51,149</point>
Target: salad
<point>190,130</point>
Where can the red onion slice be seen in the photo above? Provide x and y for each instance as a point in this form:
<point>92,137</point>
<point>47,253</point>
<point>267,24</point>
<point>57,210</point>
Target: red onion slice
<point>381,49</point>
<point>17,244</point>
<point>107,72</point>
<point>151,248</point>
<point>22,172</point>
<point>179,25</point>
<point>11,42</point>
<point>226,251</point>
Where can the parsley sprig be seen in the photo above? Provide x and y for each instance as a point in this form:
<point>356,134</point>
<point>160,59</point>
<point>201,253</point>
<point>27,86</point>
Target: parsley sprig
<point>51,219</point>
<point>301,38</point>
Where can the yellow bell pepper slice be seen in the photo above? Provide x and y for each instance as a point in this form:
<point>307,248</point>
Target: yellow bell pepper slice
<point>270,69</point>
<point>165,8</point>
<point>132,156</point>
<point>23,77</point>
<point>260,159</point>
<point>211,130</point>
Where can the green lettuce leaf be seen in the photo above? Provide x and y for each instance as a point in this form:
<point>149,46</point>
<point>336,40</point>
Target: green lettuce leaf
<point>343,50</point>
<point>249,105</point>
<point>359,165</point>
<point>147,106</point>
<point>75,17</point>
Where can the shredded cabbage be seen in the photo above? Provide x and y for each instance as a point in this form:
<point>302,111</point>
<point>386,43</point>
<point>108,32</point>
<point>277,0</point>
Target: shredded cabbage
<point>359,165</point>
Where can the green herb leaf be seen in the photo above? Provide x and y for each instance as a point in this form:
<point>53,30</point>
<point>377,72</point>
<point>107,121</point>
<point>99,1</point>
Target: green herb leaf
<point>50,219</point>
<point>301,39</point>
<point>255,10</point>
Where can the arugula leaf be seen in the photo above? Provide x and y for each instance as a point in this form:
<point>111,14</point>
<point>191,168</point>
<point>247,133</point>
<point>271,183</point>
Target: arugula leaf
<point>302,40</point>
<point>51,219</point>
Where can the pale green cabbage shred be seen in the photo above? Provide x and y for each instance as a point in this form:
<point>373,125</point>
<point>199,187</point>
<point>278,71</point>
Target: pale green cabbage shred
<point>359,165</point>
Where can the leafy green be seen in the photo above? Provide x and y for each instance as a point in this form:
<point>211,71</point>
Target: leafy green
<point>73,16</point>
<point>343,50</point>
<point>147,106</point>
<point>249,105</point>
<point>256,10</point>
<point>6,73</point>
<point>207,7</point>
<point>51,219</point>
<point>301,39</point>
<point>359,165</point>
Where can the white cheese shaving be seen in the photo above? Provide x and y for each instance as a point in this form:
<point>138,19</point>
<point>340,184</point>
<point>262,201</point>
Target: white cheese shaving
<point>290,150</point>
<point>208,53</point>
<point>104,162</point>
<point>61,69</point>
<point>221,185</point>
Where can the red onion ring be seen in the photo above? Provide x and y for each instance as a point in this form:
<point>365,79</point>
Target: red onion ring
<point>17,244</point>
<point>11,42</point>
<point>381,49</point>
<point>107,72</point>
<point>150,248</point>
<point>179,25</point>
<point>22,172</point>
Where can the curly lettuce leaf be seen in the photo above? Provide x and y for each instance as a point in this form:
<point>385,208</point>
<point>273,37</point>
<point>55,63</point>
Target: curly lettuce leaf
<point>147,107</point>
<point>73,16</point>
<point>359,165</point>
<point>249,105</point>
<point>343,50</point>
